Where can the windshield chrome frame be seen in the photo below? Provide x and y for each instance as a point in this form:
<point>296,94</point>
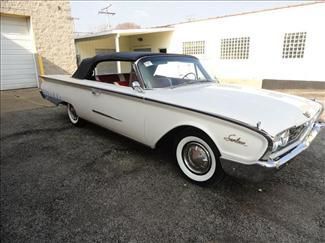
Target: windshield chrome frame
<point>142,81</point>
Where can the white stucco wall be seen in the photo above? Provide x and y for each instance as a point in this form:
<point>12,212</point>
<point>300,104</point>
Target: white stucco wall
<point>266,31</point>
<point>87,48</point>
<point>155,41</point>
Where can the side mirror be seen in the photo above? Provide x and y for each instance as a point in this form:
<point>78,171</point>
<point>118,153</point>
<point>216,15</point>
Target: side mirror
<point>136,86</point>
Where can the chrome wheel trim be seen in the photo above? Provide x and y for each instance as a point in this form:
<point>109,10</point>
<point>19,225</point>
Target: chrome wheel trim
<point>196,158</point>
<point>74,118</point>
<point>179,156</point>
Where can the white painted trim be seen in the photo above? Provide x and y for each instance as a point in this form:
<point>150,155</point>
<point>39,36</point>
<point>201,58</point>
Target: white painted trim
<point>117,48</point>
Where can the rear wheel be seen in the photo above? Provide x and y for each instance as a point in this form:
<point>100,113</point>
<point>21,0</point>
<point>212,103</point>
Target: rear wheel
<point>198,157</point>
<point>73,116</point>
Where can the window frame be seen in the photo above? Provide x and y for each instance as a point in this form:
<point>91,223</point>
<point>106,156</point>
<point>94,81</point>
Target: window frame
<point>144,85</point>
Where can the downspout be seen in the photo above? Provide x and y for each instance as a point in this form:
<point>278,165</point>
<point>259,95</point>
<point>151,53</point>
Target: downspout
<point>117,49</point>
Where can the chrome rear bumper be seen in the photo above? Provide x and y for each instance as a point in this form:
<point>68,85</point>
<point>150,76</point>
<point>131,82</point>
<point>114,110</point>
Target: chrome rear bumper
<point>262,169</point>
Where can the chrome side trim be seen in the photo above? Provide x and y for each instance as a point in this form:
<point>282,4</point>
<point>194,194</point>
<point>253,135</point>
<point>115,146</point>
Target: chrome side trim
<point>103,114</point>
<point>268,137</point>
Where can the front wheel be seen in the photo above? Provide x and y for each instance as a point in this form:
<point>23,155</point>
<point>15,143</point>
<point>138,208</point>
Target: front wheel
<point>198,157</point>
<point>73,116</point>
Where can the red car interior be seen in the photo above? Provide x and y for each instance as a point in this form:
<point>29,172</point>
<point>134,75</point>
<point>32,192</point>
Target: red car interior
<point>123,79</point>
<point>111,78</point>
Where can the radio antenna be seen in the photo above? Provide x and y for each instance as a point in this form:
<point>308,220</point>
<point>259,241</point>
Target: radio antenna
<point>108,13</point>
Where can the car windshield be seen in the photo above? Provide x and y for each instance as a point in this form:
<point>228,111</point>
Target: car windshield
<point>172,71</point>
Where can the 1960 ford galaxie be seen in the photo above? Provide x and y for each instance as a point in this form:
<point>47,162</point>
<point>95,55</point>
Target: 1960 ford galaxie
<point>216,128</point>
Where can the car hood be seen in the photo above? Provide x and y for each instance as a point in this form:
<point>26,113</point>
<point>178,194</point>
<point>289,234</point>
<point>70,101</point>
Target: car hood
<point>276,111</point>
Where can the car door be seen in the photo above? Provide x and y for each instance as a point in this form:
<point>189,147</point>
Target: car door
<point>120,109</point>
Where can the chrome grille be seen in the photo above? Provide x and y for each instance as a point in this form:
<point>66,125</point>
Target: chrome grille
<point>296,132</point>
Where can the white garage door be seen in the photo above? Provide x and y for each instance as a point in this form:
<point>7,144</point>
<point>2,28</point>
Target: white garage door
<point>18,69</point>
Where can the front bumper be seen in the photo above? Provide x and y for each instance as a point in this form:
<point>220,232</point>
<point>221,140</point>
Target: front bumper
<point>260,170</point>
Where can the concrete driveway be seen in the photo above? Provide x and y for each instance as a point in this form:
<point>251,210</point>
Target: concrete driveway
<point>60,183</point>
<point>22,99</point>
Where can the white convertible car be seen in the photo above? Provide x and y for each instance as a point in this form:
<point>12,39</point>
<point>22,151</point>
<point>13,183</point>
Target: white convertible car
<point>216,128</point>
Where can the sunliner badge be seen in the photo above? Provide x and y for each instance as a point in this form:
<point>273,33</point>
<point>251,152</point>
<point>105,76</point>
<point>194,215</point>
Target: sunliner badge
<point>234,139</point>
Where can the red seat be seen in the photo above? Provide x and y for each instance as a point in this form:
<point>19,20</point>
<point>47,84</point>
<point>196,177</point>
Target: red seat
<point>108,78</point>
<point>119,79</point>
<point>122,83</point>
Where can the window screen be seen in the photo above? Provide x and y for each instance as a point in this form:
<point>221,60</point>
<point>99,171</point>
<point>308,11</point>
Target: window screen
<point>235,48</point>
<point>294,45</point>
<point>194,47</point>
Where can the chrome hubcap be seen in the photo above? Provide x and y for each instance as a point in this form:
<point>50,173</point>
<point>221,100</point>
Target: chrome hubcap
<point>73,113</point>
<point>196,158</point>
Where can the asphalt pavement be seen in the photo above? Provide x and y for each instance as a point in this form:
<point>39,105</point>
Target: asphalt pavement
<point>60,183</point>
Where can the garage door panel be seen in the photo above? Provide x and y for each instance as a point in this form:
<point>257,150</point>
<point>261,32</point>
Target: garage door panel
<point>19,78</point>
<point>14,29</point>
<point>13,20</point>
<point>10,74</point>
<point>18,66</point>
<point>17,58</point>
<point>15,37</point>
<point>7,44</point>
<point>16,52</point>
<point>16,85</point>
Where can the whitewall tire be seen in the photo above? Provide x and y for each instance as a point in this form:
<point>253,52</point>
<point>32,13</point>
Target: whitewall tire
<point>73,116</point>
<point>198,157</point>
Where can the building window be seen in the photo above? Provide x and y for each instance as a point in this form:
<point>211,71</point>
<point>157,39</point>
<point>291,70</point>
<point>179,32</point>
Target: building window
<point>194,47</point>
<point>105,67</point>
<point>142,49</point>
<point>235,48</point>
<point>162,50</point>
<point>294,45</point>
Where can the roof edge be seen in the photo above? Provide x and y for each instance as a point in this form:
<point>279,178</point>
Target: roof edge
<point>125,32</point>
<point>245,13</point>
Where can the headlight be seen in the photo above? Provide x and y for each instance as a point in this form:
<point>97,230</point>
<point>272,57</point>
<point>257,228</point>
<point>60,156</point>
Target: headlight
<point>281,140</point>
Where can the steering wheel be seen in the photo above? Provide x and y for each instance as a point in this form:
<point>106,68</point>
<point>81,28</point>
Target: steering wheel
<point>190,73</point>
